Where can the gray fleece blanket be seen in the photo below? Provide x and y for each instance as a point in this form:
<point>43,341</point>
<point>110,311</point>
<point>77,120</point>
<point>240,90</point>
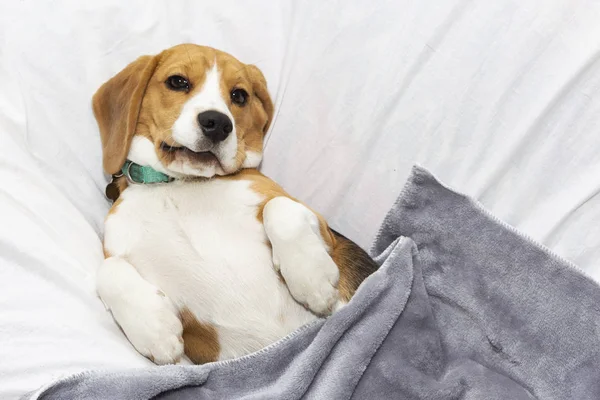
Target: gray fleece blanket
<point>462,307</point>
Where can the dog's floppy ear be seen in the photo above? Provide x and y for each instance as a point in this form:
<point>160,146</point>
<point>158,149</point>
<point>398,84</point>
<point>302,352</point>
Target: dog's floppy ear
<point>117,106</point>
<point>259,86</point>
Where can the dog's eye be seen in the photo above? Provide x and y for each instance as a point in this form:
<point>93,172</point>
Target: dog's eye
<point>178,82</point>
<point>239,96</point>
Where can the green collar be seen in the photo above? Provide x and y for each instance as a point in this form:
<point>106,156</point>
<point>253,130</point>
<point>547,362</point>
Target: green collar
<point>143,174</point>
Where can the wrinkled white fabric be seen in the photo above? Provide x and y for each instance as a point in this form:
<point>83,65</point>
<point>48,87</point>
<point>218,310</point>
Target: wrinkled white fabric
<point>499,99</point>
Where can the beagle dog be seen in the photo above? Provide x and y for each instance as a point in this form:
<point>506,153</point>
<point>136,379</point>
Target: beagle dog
<point>205,256</point>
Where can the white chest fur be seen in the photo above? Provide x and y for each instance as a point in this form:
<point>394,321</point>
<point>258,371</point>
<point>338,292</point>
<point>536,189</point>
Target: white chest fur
<point>202,244</point>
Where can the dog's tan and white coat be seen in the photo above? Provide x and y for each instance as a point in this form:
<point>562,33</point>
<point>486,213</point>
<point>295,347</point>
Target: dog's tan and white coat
<point>220,262</point>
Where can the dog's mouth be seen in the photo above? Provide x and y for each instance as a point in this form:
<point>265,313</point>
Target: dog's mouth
<point>204,157</point>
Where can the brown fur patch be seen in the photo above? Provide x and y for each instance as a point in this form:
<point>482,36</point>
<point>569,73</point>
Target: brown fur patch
<point>354,263</point>
<point>200,340</point>
<point>120,184</point>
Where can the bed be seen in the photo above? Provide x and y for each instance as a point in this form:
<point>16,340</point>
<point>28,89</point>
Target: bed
<point>498,99</point>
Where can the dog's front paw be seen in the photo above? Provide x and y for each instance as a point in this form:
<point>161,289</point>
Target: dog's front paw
<point>153,326</point>
<point>300,254</point>
<point>311,276</point>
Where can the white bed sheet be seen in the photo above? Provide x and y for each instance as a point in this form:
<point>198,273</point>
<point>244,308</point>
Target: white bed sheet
<point>500,99</point>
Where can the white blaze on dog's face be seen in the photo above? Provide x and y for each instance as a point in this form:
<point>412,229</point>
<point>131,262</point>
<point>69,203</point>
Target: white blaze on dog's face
<point>189,111</point>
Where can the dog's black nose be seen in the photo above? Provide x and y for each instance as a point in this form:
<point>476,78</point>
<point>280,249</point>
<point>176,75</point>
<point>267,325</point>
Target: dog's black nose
<point>215,125</point>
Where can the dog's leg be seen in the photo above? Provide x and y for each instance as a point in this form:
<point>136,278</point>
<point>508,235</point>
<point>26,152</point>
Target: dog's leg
<point>146,315</point>
<point>301,254</point>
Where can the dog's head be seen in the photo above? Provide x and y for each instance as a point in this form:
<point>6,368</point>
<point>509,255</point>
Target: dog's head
<point>188,111</point>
